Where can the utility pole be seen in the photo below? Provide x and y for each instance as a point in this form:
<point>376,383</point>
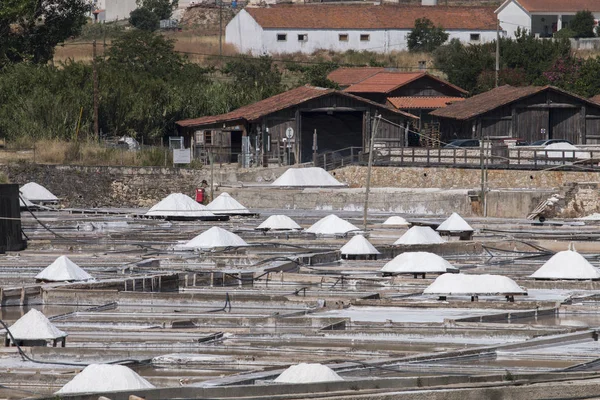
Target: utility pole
<point>315,148</point>
<point>220,28</point>
<point>497,50</point>
<point>95,83</point>
<point>376,122</point>
<point>211,158</point>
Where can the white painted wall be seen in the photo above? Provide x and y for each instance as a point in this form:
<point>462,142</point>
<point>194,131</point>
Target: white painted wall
<point>249,37</point>
<point>118,9</point>
<point>513,16</point>
<point>245,34</point>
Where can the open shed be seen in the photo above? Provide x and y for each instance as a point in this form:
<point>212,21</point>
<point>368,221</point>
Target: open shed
<point>530,113</point>
<point>282,128</point>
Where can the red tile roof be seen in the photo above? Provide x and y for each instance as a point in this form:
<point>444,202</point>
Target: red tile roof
<point>595,99</point>
<point>349,76</point>
<point>385,82</point>
<point>498,97</point>
<point>423,102</point>
<point>559,5</point>
<point>359,16</point>
<point>294,97</point>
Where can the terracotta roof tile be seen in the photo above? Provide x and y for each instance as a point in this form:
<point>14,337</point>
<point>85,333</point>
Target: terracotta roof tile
<point>349,76</point>
<point>498,97</point>
<point>276,103</point>
<point>384,82</point>
<point>346,16</point>
<point>423,102</point>
<point>559,5</point>
<point>595,99</point>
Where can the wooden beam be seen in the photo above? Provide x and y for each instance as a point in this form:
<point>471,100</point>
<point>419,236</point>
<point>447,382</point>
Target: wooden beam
<point>544,106</point>
<point>581,128</point>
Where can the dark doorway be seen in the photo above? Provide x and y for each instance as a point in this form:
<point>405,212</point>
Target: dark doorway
<point>335,131</point>
<point>564,123</point>
<point>236,146</point>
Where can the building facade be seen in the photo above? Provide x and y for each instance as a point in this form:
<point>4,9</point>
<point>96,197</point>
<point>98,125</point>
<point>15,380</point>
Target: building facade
<point>378,28</point>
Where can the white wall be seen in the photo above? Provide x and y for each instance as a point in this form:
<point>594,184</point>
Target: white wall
<point>248,36</point>
<point>118,9</point>
<point>245,34</point>
<point>511,17</point>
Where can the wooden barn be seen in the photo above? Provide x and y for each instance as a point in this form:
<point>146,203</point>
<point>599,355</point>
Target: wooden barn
<point>529,113</point>
<point>281,129</point>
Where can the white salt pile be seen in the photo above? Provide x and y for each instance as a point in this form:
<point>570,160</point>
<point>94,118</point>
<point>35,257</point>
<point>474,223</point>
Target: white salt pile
<point>591,217</point>
<point>454,223</point>
<point>561,151</point>
<point>331,225</point>
<point>97,378</point>
<point>37,193</point>
<point>179,205</point>
<point>567,264</point>
<point>358,245</point>
<point>420,235</point>
<point>25,203</point>
<point>63,270</point>
<point>308,373</point>
<point>224,204</point>
<point>461,284</point>
<point>35,326</point>
<point>396,221</point>
<point>213,238</point>
<point>419,262</point>
<point>279,223</point>
<point>306,177</point>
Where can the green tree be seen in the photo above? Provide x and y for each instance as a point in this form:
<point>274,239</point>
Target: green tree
<point>144,19</point>
<point>583,24</point>
<point>576,75</point>
<point>425,36</point>
<point>258,76</point>
<point>163,9</point>
<point>30,30</point>
<point>315,74</point>
<point>464,64</point>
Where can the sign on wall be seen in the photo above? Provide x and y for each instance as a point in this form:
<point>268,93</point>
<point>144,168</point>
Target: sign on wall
<point>182,156</point>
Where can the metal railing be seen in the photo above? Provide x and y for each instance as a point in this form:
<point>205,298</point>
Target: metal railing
<point>339,158</point>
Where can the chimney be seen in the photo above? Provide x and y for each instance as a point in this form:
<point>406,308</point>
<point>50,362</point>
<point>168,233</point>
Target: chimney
<point>429,2</point>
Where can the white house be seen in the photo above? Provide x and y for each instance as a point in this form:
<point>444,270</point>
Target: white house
<point>341,27</point>
<point>542,17</point>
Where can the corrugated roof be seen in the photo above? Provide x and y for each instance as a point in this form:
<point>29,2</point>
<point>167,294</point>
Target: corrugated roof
<point>559,5</point>
<point>346,16</point>
<point>423,102</point>
<point>276,103</point>
<point>349,76</point>
<point>498,97</point>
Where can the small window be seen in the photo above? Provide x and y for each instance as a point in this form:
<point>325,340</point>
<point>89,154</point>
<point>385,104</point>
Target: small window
<point>207,137</point>
<point>475,37</point>
<point>281,37</point>
<point>343,37</point>
<point>365,38</point>
<point>302,37</point>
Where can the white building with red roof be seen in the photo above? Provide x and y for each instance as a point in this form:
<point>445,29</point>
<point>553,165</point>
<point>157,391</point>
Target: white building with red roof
<point>340,27</point>
<point>542,17</point>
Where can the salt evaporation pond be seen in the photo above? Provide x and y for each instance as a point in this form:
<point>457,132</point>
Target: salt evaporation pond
<point>405,314</point>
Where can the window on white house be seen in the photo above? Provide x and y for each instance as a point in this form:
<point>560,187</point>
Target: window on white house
<point>475,37</point>
<point>302,37</point>
<point>365,38</point>
<point>343,37</point>
<point>281,37</point>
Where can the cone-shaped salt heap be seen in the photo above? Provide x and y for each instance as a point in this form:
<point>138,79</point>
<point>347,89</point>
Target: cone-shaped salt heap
<point>63,270</point>
<point>35,326</point>
<point>179,205</point>
<point>420,235</point>
<point>37,193</point>
<point>419,262</point>
<point>97,378</point>
<point>567,264</point>
<point>25,203</point>
<point>306,177</point>
<point>213,238</point>
<point>308,373</point>
<point>396,221</point>
<point>331,225</point>
<point>462,284</point>
<point>279,223</point>
<point>359,246</point>
<point>454,223</point>
<point>224,204</point>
